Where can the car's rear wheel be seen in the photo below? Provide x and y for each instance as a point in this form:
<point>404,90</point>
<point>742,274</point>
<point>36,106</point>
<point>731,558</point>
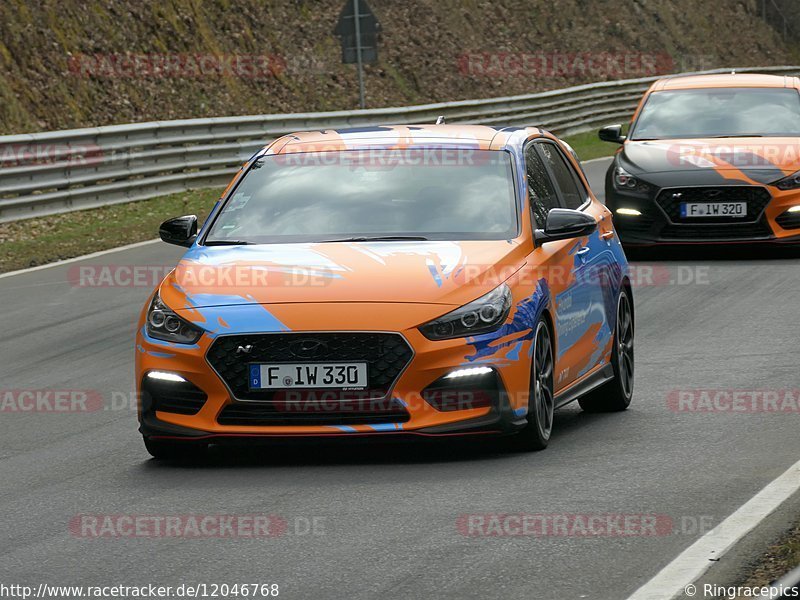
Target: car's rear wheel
<point>541,400</point>
<point>170,450</point>
<point>615,395</point>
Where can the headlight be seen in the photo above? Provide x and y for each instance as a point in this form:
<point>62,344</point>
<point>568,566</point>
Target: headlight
<point>792,182</point>
<point>624,181</point>
<point>164,324</point>
<point>483,315</point>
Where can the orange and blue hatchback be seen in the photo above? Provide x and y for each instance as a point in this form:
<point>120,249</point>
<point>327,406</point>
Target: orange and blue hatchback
<point>402,281</point>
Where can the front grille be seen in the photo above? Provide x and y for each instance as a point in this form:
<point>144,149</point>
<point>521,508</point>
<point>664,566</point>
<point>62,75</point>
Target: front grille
<point>296,413</point>
<point>183,398</point>
<point>386,355</point>
<point>710,233</point>
<point>757,198</point>
<point>789,220</point>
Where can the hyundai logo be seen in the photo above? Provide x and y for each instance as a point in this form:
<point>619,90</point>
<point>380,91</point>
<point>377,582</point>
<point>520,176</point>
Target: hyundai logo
<point>307,348</point>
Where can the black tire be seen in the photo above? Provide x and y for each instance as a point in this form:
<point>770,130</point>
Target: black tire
<point>615,395</point>
<point>169,450</point>
<point>541,399</point>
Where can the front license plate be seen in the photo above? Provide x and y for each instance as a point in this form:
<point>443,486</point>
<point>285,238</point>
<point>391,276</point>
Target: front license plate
<point>308,375</point>
<point>713,209</point>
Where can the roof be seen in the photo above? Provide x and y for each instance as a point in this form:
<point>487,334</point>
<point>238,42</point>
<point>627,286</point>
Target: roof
<point>724,80</point>
<point>482,137</point>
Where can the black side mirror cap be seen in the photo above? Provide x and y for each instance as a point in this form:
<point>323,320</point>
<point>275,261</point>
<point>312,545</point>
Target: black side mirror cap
<point>181,231</point>
<point>612,133</point>
<point>565,224</point>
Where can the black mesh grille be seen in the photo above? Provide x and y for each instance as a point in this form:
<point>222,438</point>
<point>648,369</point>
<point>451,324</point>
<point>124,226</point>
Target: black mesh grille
<point>183,398</point>
<point>296,413</point>
<point>789,220</point>
<point>386,355</point>
<point>756,198</point>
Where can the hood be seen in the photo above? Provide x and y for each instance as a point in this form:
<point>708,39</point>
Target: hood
<point>713,160</point>
<point>448,273</point>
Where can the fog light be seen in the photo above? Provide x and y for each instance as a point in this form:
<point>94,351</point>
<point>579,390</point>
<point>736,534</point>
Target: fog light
<point>471,372</point>
<point>630,212</point>
<point>165,376</point>
<point>794,209</point>
<point>464,389</point>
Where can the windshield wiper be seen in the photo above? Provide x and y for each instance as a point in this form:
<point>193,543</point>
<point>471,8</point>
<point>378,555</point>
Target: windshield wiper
<point>225,243</point>
<point>379,238</point>
<point>733,135</point>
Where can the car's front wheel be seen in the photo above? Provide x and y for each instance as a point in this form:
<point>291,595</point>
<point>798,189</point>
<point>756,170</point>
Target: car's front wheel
<point>615,395</point>
<point>541,400</point>
<point>169,450</point>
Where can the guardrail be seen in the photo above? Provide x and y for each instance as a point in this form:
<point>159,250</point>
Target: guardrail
<point>60,171</point>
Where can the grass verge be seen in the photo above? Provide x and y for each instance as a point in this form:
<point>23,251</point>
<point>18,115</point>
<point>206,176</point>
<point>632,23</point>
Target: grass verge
<point>589,146</point>
<point>42,240</point>
<point>779,559</point>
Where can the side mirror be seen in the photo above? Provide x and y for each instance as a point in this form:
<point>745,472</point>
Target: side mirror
<point>611,133</point>
<point>180,231</point>
<point>565,224</point>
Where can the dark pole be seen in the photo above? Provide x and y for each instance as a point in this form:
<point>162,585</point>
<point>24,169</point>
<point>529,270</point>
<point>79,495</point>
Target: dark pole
<point>357,16</point>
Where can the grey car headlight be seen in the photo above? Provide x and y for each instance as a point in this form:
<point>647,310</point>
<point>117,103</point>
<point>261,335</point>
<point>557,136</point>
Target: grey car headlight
<point>484,315</point>
<point>163,324</point>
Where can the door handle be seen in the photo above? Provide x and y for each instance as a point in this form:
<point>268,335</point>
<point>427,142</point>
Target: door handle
<point>607,235</point>
<point>582,251</point>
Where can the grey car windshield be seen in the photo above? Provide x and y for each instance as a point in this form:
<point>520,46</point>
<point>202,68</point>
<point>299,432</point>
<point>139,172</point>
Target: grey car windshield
<point>433,194</point>
<point>719,112</point>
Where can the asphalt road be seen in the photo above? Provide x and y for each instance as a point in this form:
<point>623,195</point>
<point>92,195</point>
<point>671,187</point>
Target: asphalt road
<point>387,515</point>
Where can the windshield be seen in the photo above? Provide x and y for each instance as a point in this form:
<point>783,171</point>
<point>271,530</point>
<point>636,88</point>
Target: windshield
<point>362,195</point>
<point>719,112</point>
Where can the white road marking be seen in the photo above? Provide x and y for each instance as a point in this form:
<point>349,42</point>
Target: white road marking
<point>79,258</point>
<point>593,160</point>
<point>693,562</point>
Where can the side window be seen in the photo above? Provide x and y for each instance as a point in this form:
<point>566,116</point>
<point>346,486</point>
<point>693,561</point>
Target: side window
<point>540,188</point>
<point>566,179</point>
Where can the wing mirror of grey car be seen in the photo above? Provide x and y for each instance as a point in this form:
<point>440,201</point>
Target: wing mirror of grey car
<point>181,231</point>
<point>565,224</point>
<point>611,133</point>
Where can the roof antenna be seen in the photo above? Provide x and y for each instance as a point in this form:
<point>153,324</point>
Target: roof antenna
<point>440,120</point>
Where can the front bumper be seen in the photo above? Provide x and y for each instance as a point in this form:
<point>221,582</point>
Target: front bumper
<point>767,223</point>
<point>221,412</point>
